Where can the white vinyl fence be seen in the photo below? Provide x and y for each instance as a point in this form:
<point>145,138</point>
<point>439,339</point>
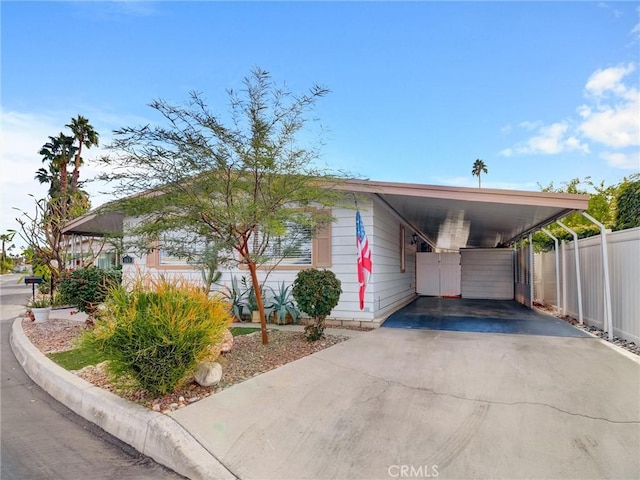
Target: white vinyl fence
<point>623,249</point>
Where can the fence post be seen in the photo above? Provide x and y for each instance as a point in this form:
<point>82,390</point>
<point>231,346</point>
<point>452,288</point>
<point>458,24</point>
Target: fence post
<point>605,271</point>
<point>555,243</point>
<point>577,257</point>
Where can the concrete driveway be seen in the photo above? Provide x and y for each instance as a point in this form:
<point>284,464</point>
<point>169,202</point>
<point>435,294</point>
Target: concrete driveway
<point>398,403</point>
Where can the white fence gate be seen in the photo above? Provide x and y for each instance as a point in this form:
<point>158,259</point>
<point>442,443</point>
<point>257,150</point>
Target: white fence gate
<point>438,274</point>
<point>623,249</point>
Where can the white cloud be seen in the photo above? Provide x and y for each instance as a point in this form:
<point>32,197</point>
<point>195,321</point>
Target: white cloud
<point>622,160</point>
<point>550,139</point>
<point>607,80</point>
<point>614,120</point>
<point>616,126</point>
<point>584,111</point>
<point>614,11</point>
<point>610,117</point>
<point>507,152</point>
<point>530,125</point>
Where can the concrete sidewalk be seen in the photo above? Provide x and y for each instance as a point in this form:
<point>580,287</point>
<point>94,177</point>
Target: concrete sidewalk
<point>393,403</point>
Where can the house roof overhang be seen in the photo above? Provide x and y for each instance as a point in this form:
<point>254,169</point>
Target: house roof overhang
<point>95,224</point>
<point>450,218</point>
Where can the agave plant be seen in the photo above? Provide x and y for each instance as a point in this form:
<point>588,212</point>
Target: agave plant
<point>237,297</point>
<point>282,304</point>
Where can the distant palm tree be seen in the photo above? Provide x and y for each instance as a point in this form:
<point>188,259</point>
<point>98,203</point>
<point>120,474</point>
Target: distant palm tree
<point>479,167</point>
<point>6,238</point>
<point>85,135</point>
<point>58,152</point>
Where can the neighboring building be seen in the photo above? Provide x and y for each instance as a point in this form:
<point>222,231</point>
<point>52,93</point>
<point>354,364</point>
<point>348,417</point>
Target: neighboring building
<point>425,240</point>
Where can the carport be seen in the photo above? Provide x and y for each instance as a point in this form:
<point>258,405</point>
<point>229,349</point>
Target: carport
<point>469,242</point>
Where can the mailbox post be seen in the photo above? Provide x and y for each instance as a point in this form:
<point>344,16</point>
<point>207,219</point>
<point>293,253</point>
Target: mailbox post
<point>32,280</point>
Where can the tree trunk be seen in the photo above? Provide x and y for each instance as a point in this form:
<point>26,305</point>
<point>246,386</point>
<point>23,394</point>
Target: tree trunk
<point>256,288</point>
<point>76,168</point>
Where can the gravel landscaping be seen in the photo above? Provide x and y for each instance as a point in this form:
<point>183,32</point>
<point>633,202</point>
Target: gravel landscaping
<point>620,342</point>
<point>247,359</point>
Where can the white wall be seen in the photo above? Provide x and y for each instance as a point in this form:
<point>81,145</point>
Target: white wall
<point>388,288</point>
<point>487,273</point>
<point>391,288</point>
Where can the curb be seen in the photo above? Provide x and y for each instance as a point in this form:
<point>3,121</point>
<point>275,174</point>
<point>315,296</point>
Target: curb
<point>151,433</point>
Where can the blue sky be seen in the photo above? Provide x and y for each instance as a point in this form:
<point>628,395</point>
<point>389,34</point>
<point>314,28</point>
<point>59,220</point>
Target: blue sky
<point>541,91</point>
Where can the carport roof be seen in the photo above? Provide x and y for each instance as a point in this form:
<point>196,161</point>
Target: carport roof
<point>450,218</point>
<point>95,224</point>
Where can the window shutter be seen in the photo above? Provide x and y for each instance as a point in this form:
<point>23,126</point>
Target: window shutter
<point>322,250</point>
<point>152,257</point>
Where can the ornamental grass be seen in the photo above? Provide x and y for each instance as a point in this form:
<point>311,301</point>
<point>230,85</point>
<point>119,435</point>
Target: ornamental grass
<point>157,331</point>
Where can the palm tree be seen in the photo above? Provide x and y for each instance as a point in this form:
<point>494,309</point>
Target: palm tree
<point>86,136</point>
<point>479,167</point>
<point>58,151</point>
<point>6,237</point>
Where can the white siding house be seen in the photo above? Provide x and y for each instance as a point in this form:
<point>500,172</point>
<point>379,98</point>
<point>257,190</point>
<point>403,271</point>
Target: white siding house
<point>390,287</point>
<point>471,230</point>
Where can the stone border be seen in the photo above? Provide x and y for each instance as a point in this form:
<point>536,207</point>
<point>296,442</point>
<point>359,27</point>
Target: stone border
<point>151,433</point>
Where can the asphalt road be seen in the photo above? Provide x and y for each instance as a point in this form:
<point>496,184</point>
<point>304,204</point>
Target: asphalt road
<point>41,438</point>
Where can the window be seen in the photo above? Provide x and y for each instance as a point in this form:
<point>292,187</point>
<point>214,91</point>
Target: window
<point>176,249</point>
<point>295,247</point>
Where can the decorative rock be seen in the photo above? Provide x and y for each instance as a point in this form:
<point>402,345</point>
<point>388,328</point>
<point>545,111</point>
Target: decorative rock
<point>227,342</point>
<point>193,399</point>
<point>208,374</point>
<point>180,398</point>
<point>156,407</point>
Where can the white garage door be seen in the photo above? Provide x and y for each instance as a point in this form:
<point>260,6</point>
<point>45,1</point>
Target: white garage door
<point>487,273</point>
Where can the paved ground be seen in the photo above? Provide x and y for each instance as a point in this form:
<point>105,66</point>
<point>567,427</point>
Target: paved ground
<point>470,315</point>
<point>400,403</point>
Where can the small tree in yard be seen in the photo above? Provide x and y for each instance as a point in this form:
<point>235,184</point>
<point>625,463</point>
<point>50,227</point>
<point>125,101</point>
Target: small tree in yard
<point>317,292</point>
<point>240,184</point>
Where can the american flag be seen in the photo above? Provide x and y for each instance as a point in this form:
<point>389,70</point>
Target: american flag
<point>365,266</point>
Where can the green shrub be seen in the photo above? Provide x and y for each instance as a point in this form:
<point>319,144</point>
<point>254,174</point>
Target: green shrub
<point>628,213</point>
<point>316,292</point>
<point>157,333</point>
<point>6,265</point>
<point>86,288</point>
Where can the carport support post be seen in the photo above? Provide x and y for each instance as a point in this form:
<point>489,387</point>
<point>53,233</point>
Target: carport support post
<point>564,277</point>
<point>532,279</point>
<point>555,243</point>
<point>605,271</point>
<point>577,257</point>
